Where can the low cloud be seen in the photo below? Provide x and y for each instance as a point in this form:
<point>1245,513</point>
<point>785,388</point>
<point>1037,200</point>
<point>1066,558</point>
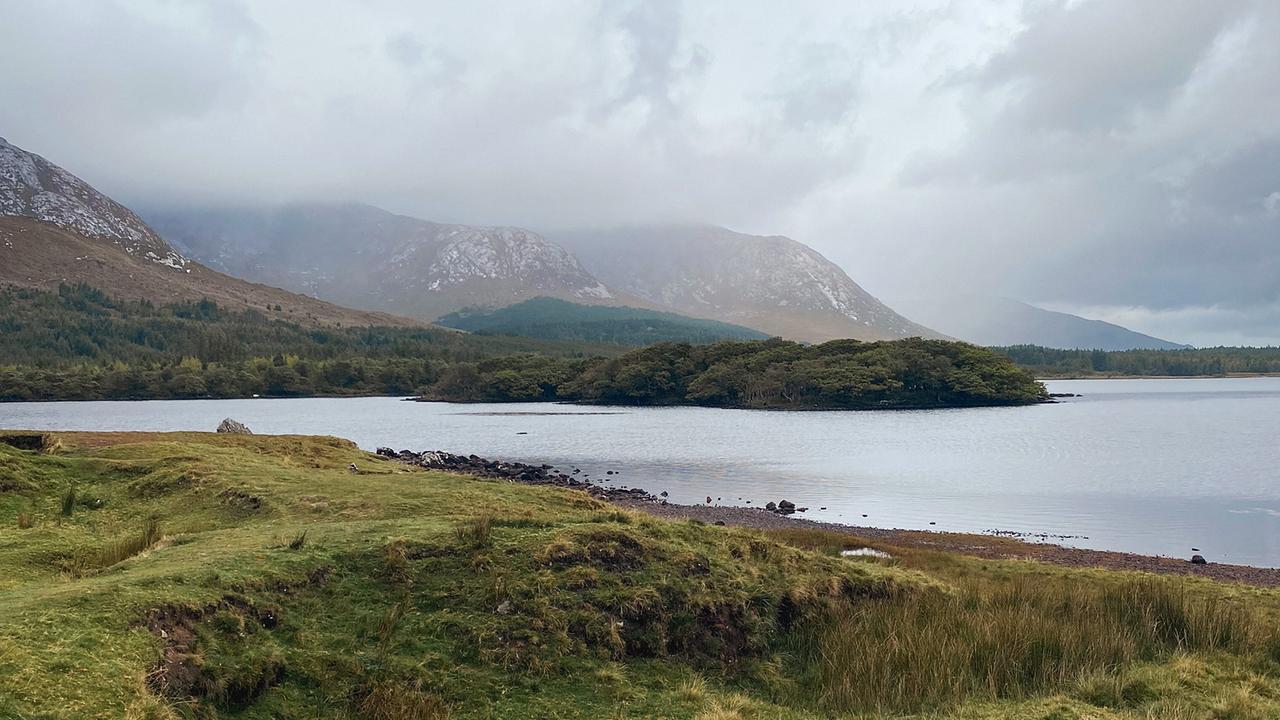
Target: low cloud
<point>1087,153</point>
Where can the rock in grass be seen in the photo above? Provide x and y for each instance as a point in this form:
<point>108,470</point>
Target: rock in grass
<point>235,428</point>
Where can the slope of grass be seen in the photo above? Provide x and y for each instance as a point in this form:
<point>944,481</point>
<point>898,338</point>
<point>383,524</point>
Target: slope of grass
<point>204,576</point>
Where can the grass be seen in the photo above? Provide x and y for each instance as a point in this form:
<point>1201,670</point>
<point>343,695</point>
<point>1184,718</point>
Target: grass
<point>403,593</point>
<point>127,547</point>
<point>1020,637</point>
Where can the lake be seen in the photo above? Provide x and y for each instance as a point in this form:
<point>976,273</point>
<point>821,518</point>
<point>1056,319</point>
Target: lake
<point>1150,466</point>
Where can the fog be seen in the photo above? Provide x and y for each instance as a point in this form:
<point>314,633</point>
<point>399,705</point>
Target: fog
<point>1120,159</point>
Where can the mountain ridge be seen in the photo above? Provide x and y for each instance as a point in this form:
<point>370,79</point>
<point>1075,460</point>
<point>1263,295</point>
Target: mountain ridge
<point>772,283</point>
<point>56,229</point>
<point>999,321</point>
<point>363,256</point>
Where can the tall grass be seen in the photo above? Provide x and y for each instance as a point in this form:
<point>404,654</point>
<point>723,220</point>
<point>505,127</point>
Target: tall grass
<point>26,520</point>
<point>475,531</point>
<point>126,548</point>
<point>1015,638</point>
<point>69,502</point>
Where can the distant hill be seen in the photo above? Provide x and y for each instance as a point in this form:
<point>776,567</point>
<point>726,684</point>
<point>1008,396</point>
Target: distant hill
<point>772,283</point>
<point>995,321</point>
<point>555,319</point>
<point>56,229</point>
<point>362,256</point>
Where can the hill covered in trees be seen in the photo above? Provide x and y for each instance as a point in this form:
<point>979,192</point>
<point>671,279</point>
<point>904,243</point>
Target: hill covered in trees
<point>841,374</point>
<point>555,319</point>
<point>79,344</point>
<point>1048,362</point>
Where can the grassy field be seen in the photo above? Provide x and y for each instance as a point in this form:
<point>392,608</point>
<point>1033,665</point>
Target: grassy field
<point>207,576</point>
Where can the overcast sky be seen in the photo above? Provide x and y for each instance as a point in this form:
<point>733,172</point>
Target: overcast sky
<point>1117,158</point>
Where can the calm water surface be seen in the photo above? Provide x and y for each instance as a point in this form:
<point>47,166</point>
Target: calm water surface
<point>1150,466</point>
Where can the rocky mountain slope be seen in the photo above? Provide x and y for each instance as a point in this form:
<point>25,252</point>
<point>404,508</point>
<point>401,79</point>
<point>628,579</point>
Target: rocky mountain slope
<point>1000,321</point>
<point>773,284</point>
<point>55,229</point>
<point>364,257</point>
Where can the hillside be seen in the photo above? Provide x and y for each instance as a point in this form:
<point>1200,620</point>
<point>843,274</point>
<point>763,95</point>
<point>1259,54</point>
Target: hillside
<point>79,343</point>
<point>997,321</point>
<point>158,576</point>
<point>560,320</point>
<point>773,284</point>
<point>55,229</point>
<point>361,256</point>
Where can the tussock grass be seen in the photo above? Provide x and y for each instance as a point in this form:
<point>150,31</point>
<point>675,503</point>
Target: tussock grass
<point>475,532</point>
<point>26,520</point>
<point>297,542</point>
<point>69,502</point>
<point>396,701</point>
<point>126,548</point>
<point>391,622</point>
<point>1019,637</point>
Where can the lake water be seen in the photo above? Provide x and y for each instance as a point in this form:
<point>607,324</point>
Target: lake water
<point>1149,466</point>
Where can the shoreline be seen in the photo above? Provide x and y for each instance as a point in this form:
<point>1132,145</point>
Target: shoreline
<point>987,547</point>
<point>990,547</point>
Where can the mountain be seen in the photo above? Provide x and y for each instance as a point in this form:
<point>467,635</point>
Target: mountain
<point>554,319</point>
<point>997,321</point>
<point>56,229</point>
<point>772,283</point>
<point>364,257</point>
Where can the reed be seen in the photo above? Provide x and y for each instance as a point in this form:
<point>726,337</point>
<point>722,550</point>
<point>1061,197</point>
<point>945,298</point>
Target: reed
<point>126,548</point>
<point>1013,638</point>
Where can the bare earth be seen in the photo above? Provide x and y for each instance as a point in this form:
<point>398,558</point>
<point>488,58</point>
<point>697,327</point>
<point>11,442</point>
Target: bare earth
<point>982,546</point>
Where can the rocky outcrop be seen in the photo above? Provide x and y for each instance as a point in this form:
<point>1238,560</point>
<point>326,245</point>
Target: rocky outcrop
<point>33,187</point>
<point>233,427</point>
<point>513,472</point>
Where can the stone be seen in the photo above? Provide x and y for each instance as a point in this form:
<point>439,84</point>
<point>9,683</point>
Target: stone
<point>234,428</point>
<point>1198,560</point>
<point>771,506</point>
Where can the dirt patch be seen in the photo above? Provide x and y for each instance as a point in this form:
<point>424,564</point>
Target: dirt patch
<point>179,672</point>
<point>33,441</point>
<point>241,499</point>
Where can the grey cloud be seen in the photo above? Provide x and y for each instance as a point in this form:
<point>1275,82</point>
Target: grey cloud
<point>1093,153</point>
<point>405,49</point>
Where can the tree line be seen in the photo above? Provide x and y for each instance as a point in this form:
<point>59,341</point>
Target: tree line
<point>79,344</point>
<point>1050,362</point>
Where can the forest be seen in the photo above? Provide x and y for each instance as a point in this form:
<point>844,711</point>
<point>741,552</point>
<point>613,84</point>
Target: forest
<point>79,344</point>
<point>842,374</point>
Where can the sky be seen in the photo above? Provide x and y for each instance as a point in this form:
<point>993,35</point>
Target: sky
<point>1115,158</point>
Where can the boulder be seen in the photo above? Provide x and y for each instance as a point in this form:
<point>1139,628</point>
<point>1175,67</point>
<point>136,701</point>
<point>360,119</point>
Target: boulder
<point>1198,560</point>
<point>770,506</point>
<point>235,428</point>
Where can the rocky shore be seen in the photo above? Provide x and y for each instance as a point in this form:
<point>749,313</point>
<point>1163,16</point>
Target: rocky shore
<point>776,518</point>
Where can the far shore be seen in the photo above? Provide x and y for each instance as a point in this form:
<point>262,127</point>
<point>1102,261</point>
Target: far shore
<point>1157,377</point>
